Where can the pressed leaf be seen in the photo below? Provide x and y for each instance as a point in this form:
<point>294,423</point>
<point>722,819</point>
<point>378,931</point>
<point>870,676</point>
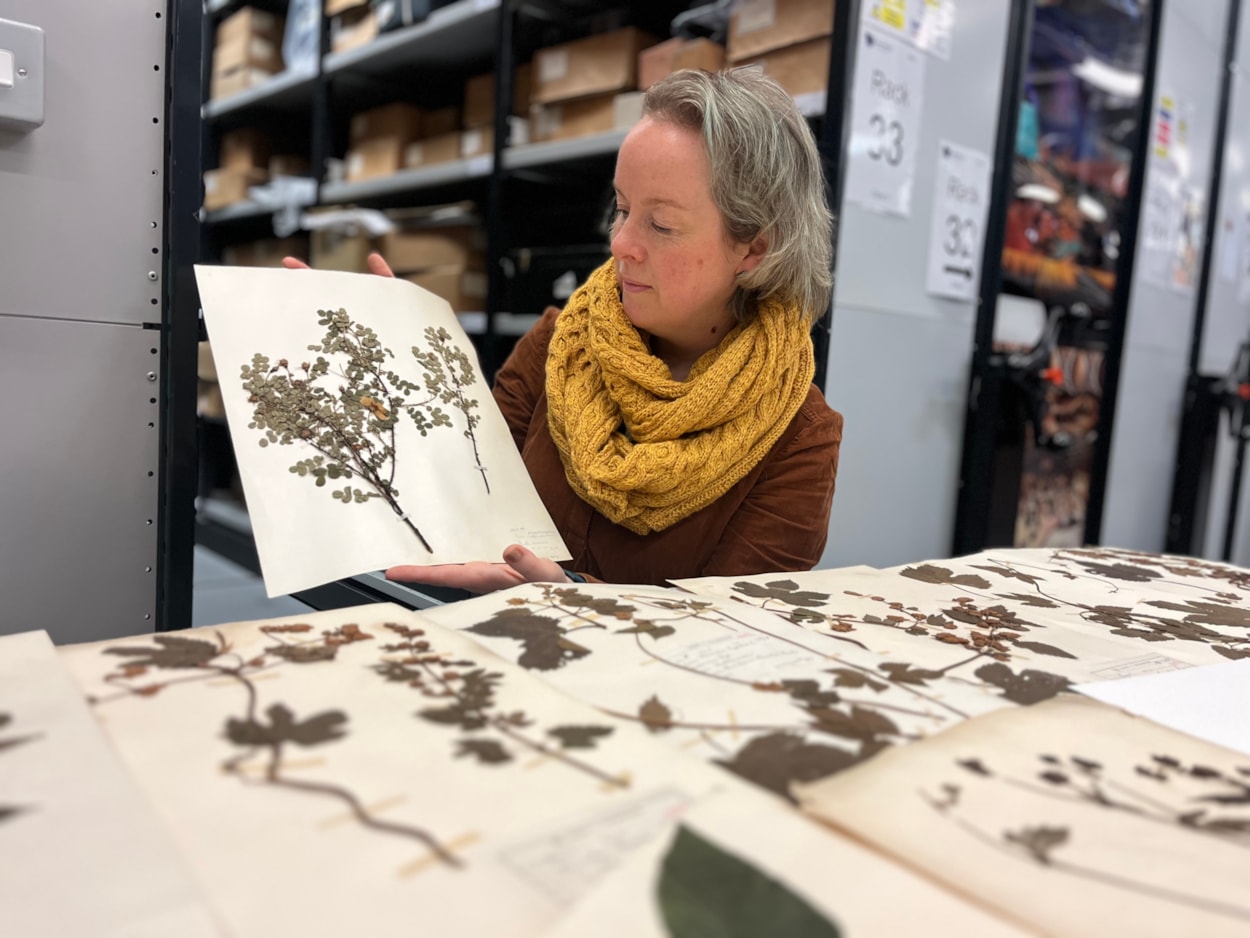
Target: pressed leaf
<point>975,766</point>
<point>786,591</point>
<point>1231,653</point>
<point>900,673</point>
<point>1121,571</point>
<point>808,693</point>
<point>1009,572</point>
<point>860,723</point>
<point>649,628</point>
<point>544,648</point>
<point>845,677</point>
<point>17,741</point>
<point>174,651</point>
<point>655,715</point>
<point>487,751</point>
<point>1040,841</point>
<point>777,759</point>
<point>1027,687</point>
<point>303,654</point>
<point>579,737</point>
<point>8,812</point>
<point>282,727</point>
<point>1043,649</point>
<point>705,891</point>
<point>931,573</point>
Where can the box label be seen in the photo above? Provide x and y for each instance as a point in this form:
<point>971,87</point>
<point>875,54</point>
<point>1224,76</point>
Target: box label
<point>756,15</point>
<point>553,65</point>
<point>961,198</point>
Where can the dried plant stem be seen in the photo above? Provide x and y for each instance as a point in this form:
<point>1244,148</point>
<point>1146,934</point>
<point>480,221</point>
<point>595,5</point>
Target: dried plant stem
<point>273,776</point>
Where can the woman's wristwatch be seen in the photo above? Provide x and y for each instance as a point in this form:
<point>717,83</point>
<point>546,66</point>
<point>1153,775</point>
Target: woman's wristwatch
<point>575,577</point>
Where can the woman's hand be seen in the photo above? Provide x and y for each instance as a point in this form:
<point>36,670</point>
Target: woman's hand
<point>377,265</point>
<point>520,565</point>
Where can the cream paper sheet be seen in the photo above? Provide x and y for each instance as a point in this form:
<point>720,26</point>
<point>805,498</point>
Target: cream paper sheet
<point>81,851</point>
<point>455,487</point>
<point>1070,816</point>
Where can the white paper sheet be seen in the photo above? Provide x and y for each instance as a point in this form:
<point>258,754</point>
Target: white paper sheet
<point>463,487</point>
<point>81,852</point>
<point>1211,702</point>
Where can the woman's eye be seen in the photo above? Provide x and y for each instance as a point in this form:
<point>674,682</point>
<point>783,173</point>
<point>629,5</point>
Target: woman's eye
<point>660,228</point>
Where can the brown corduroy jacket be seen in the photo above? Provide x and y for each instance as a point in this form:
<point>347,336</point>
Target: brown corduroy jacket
<point>775,519</point>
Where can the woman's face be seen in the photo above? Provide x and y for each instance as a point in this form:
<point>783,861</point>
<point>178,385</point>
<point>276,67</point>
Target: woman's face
<point>674,260</point>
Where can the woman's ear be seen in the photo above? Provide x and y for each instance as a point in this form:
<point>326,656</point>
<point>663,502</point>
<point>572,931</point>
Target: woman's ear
<point>756,250</point>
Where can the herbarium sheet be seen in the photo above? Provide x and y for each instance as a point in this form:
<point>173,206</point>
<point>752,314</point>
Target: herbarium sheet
<point>363,771</point>
<point>767,699</point>
<point>741,864</point>
<point>81,851</point>
<point>365,433</point>
<point>1070,816</point>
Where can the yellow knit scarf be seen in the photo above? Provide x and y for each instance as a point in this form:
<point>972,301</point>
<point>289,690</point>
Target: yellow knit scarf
<point>647,451</point>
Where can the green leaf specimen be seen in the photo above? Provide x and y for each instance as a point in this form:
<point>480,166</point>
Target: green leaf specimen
<point>707,892</point>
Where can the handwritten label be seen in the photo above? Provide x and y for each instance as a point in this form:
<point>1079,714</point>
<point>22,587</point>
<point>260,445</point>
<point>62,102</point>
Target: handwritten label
<point>748,656</point>
<point>567,862</point>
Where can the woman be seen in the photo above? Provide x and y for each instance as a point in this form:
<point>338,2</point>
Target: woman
<point>666,415</point>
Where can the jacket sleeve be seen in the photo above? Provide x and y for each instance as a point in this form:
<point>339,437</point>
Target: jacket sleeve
<point>783,522</point>
<point>522,379</point>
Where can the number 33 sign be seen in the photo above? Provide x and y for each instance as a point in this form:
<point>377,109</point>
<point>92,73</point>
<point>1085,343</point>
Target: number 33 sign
<point>885,123</point>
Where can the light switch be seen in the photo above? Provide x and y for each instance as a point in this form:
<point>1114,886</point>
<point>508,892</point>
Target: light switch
<point>21,76</point>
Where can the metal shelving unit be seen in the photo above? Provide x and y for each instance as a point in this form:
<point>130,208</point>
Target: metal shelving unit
<point>291,88</point>
<point>460,32</point>
<point>562,151</point>
<point>512,184</point>
<point>411,180</point>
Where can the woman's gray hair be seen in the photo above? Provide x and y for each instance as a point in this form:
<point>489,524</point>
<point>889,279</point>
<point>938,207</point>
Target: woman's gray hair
<point>766,179</point>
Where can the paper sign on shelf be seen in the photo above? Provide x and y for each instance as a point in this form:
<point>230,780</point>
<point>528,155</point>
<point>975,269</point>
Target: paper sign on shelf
<point>885,124</point>
<point>927,24</point>
<point>961,197</point>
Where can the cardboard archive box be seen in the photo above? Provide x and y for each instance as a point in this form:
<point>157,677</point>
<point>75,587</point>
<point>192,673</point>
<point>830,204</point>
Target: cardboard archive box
<point>247,50</point>
<point>428,151</point>
<point>464,290</point>
<point>235,81</point>
<point>758,26</point>
<point>480,141</point>
<point>399,119</point>
<point>801,69</point>
<point>584,116</point>
<point>340,249</point>
<point>479,96</point>
<point>408,250</point>
<point>672,55</point>
<point>267,252</point>
<point>249,22</point>
<point>353,28</point>
<point>244,148</point>
<point>225,187</point>
<point>604,62</point>
<point>288,164</point>
<point>378,139</point>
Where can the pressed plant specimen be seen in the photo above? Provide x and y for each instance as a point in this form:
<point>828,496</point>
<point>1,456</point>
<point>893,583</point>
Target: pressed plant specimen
<point>346,403</point>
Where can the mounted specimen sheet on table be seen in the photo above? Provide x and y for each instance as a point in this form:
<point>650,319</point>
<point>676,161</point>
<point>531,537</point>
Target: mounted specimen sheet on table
<point>742,864</point>
<point>365,434</point>
<point>81,852</point>
<point>364,772</point>
<point>1070,816</point>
